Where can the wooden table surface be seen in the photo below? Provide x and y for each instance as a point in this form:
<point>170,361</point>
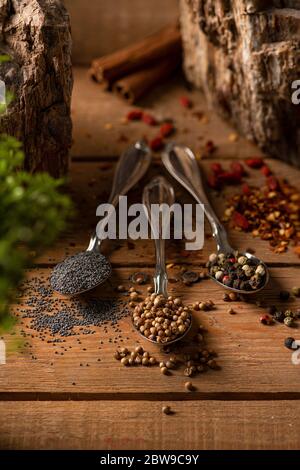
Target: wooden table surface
<point>252,402</point>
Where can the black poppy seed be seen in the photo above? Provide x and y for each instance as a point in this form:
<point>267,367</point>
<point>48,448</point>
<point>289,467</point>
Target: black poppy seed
<point>64,318</point>
<point>80,272</point>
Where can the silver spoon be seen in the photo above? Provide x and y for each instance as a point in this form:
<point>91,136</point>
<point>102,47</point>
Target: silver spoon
<point>181,163</point>
<point>159,191</point>
<point>86,270</point>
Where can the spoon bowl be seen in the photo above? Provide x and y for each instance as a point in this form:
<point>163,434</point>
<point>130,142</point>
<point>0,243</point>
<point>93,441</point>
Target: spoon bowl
<point>242,291</point>
<point>182,165</point>
<point>167,343</point>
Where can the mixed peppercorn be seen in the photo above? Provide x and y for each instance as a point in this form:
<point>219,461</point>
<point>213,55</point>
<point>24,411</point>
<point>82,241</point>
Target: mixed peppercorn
<point>237,271</point>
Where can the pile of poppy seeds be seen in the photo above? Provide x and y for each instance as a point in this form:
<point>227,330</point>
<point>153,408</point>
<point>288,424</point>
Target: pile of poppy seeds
<point>237,271</point>
<point>80,273</point>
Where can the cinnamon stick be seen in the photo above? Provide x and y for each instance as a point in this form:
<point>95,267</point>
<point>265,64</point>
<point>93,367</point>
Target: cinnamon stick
<point>107,69</point>
<point>134,86</point>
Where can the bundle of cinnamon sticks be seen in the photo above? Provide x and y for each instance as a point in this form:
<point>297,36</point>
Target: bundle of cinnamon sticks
<point>136,69</point>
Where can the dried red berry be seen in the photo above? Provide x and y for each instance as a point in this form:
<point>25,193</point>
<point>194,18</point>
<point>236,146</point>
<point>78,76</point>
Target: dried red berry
<point>216,168</point>
<point>228,177</point>
<point>156,144</point>
<point>272,183</point>
<point>266,171</point>
<point>240,220</point>
<point>266,320</point>
<point>246,189</point>
<point>238,168</point>
<point>185,102</point>
<point>255,162</point>
<point>167,129</point>
<point>213,181</point>
<point>210,146</point>
<point>149,119</point>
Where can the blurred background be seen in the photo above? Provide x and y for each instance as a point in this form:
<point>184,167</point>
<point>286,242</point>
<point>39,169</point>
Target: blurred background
<point>103,26</point>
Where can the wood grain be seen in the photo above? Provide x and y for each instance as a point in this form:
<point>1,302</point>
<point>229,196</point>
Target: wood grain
<point>104,26</point>
<point>93,109</point>
<point>254,362</point>
<point>137,425</point>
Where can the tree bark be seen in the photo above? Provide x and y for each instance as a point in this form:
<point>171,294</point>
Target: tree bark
<point>36,35</point>
<point>245,55</point>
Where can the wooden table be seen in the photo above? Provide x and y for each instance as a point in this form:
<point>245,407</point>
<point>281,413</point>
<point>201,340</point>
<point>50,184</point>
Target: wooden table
<point>251,403</point>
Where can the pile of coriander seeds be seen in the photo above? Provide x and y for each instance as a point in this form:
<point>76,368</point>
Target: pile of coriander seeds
<point>161,319</point>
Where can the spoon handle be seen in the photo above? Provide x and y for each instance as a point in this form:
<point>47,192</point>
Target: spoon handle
<point>156,193</point>
<point>131,167</point>
<point>182,165</point>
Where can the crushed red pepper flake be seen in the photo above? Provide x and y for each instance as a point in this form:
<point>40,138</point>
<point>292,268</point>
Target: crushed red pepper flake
<point>271,213</point>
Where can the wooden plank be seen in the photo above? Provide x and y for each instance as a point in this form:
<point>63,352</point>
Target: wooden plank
<point>93,109</point>
<point>254,362</point>
<point>90,184</point>
<point>107,26</point>
<point>141,425</point>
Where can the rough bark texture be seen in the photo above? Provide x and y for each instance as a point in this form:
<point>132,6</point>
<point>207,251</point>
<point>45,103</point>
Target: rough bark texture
<point>36,34</point>
<point>245,55</point>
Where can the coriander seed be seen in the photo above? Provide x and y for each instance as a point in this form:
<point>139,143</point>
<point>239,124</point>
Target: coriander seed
<point>189,386</point>
<point>166,410</point>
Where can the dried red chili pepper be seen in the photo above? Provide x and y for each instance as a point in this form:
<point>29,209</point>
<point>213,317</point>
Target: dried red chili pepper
<point>228,177</point>
<point>238,168</point>
<point>167,129</point>
<point>216,168</point>
<point>185,102</point>
<point>254,162</point>
<point>213,181</point>
<point>240,220</point>
<point>272,183</point>
<point>246,189</point>
<point>135,115</point>
<point>156,144</point>
<point>266,171</point>
<point>210,146</point>
<point>149,119</point>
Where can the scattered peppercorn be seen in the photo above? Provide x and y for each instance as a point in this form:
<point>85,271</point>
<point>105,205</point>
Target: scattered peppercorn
<point>284,295</point>
<point>266,320</point>
<point>288,321</point>
<point>296,291</point>
<point>290,343</point>
<point>166,410</point>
